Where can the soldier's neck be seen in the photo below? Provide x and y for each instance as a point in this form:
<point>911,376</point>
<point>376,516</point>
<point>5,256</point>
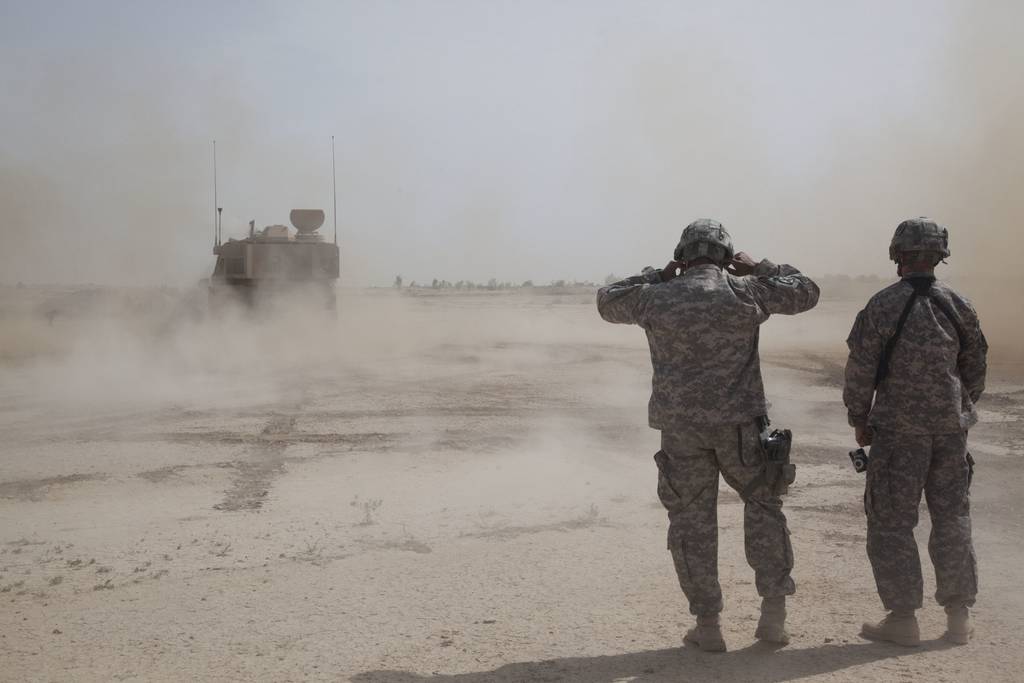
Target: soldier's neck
<point>702,262</point>
<point>916,271</point>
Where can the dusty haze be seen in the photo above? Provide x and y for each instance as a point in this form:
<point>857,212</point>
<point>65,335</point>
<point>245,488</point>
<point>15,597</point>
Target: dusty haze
<point>519,141</point>
<point>458,486</point>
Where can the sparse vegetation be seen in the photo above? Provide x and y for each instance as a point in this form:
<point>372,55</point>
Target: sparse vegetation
<point>368,508</point>
<point>590,517</point>
<point>312,552</point>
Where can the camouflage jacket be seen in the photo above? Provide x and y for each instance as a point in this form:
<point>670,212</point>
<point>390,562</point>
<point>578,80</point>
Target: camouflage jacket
<point>702,328</point>
<point>936,372</point>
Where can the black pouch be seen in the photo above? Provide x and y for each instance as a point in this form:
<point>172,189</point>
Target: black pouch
<point>779,472</point>
<point>970,470</point>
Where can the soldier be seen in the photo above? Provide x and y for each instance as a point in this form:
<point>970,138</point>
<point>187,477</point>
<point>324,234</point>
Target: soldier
<point>917,351</point>
<point>702,328</point>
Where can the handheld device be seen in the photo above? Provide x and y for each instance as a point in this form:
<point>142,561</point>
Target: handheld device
<point>859,458</point>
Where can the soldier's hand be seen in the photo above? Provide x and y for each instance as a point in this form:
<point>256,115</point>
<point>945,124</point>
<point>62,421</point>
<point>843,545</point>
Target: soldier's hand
<point>669,271</point>
<point>863,436</point>
<point>741,264</point>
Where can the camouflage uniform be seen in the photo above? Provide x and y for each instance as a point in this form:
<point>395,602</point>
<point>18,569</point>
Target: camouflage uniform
<point>702,329</point>
<point>920,417</point>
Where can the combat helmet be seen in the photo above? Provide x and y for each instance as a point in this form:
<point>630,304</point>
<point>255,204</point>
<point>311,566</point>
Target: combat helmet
<point>919,234</point>
<point>705,238</point>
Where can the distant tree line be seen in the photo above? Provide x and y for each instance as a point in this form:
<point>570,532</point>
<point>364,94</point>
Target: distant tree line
<point>495,285</point>
<point>491,285</point>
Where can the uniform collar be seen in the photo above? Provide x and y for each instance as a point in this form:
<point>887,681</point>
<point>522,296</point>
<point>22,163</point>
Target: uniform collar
<point>702,268</point>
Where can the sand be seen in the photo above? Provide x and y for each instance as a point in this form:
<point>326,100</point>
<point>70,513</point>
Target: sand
<point>451,487</point>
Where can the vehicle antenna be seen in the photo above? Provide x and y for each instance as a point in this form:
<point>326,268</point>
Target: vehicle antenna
<point>334,180</point>
<point>216,210</point>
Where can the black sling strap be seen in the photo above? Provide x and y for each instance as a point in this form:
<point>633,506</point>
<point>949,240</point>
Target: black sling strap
<point>922,287</point>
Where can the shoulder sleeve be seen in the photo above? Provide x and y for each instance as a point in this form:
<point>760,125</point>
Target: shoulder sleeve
<point>972,361</point>
<point>781,289</point>
<point>865,344</point>
<point>626,300</point>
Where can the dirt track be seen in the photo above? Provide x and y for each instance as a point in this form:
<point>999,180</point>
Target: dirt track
<point>447,488</point>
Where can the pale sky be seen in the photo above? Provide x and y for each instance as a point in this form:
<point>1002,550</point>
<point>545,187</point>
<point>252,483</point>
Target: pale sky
<point>516,140</point>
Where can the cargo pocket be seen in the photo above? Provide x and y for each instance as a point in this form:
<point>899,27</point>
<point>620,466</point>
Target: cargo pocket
<point>677,548</point>
<point>788,550</point>
<point>667,493</point>
<point>878,498</point>
<point>970,471</point>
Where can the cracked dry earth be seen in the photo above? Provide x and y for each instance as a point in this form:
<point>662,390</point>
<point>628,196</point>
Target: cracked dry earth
<point>473,504</point>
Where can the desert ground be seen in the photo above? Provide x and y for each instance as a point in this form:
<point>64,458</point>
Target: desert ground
<point>431,487</point>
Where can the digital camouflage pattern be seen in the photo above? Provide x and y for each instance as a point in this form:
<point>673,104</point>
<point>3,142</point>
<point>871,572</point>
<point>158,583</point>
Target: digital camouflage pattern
<point>705,238</point>
<point>688,467</point>
<point>919,234</point>
<point>702,329</point>
<point>901,467</point>
<point>919,417</point>
<point>933,379</point>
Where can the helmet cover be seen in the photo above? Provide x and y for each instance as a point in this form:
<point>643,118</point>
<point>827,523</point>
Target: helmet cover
<point>705,238</point>
<point>919,234</point>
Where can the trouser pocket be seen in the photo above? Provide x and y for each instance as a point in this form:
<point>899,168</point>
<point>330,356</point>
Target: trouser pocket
<point>667,493</point>
<point>877,495</point>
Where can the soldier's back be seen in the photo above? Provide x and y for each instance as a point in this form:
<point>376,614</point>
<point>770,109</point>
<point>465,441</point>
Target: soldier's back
<point>703,334</point>
<point>923,391</point>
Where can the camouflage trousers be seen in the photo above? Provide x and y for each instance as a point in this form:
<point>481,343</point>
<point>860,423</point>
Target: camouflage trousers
<point>900,468</point>
<point>688,466</point>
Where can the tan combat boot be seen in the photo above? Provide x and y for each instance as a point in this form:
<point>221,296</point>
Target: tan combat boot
<point>899,626</point>
<point>771,628</point>
<point>959,628</point>
<point>707,634</point>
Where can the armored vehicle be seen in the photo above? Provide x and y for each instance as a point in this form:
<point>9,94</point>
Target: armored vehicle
<point>274,260</point>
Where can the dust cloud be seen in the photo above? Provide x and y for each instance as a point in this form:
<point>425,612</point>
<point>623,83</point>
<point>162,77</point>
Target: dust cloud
<point>616,139</point>
<point>425,371</point>
<point>952,159</point>
<point>542,143</point>
<point>469,468</point>
<point>627,136</point>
